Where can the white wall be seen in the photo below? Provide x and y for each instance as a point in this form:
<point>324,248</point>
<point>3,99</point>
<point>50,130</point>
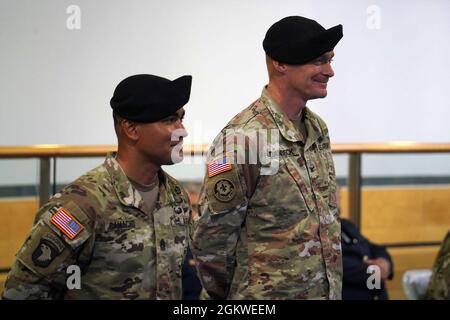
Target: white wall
<point>391,67</point>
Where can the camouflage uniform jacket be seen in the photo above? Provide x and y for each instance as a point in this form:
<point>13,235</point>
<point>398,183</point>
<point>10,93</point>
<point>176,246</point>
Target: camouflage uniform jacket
<point>271,236</point>
<point>439,286</point>
<point>124,251</point>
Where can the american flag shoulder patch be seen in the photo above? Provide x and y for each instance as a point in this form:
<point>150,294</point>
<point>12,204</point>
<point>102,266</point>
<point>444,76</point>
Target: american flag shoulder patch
<point>65,222</point>
<point>218,166</point>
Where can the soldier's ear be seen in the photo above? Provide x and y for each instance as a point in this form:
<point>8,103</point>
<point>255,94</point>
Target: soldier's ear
<point>129,129</point>
<point>279,67</point>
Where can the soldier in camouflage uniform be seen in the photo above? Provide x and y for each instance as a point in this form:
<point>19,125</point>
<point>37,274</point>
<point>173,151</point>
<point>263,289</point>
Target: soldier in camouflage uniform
<point>439,286</point>
<point>265,233</point>
<point>124,223</point>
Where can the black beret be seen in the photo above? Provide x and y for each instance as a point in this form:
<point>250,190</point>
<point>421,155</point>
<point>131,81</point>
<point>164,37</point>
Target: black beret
<point>149,98</point>
<point>298,40</point>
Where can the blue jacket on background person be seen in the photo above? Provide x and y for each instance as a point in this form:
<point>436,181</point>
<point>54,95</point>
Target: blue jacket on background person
<point>358,253</point>
<point>191,284</point>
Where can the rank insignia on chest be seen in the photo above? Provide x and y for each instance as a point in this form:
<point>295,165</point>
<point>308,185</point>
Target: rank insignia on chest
<point>65,222</point>
<point>218,166</point>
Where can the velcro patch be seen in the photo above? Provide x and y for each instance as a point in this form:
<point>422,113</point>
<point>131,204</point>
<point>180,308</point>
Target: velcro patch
<point>65,222</point>
<point>218,166</point>
<point>224,192</point>
<point>49,248</point>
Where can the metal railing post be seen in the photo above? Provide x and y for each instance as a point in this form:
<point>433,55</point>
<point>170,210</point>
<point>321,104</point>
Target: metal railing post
<point>44,180</point>
<point>354,188</point>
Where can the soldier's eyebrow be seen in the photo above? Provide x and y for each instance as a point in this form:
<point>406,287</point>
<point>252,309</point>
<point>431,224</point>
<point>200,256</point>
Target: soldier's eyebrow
<point>325,58</point>
<point>179,114</point>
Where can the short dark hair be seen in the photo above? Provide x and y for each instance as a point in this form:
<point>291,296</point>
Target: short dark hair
<point>117,119</point>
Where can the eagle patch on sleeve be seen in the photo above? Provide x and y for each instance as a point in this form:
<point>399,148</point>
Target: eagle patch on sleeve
<point>49,248</point>
<point>43,251</point>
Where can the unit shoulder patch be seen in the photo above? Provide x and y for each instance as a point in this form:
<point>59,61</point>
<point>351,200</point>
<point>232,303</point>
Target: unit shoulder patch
<point>224,190</point>
<point>49,248</point>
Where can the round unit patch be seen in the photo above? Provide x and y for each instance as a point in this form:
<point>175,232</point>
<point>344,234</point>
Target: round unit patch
<point>224,190</point>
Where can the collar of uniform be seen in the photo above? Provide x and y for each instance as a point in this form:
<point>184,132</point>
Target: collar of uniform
<point>165,195</point>
<point>315,132</point>
<point>127,194</point>
<point>285,125</point>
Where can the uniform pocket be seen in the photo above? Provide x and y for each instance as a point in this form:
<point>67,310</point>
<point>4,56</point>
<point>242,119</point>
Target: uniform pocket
<point>299,176</point>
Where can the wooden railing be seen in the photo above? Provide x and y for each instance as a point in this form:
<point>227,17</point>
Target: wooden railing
<point>47,152</point>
